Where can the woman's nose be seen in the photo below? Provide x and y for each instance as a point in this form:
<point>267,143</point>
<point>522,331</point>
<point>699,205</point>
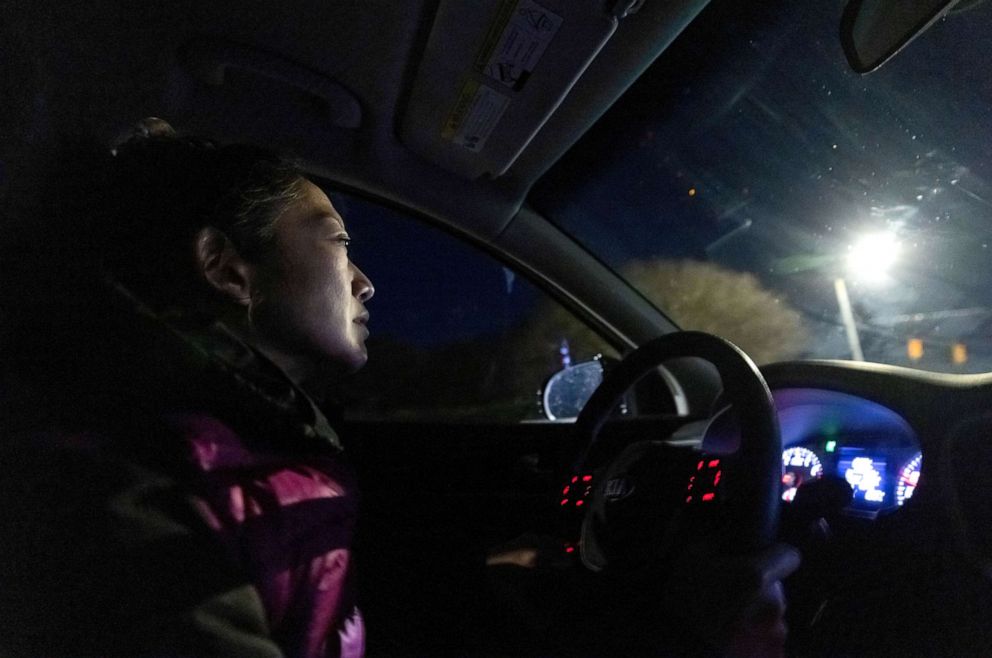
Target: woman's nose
<point>361,286</point>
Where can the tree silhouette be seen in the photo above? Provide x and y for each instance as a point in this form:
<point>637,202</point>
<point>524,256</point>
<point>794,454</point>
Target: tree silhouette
<point>704,296</point>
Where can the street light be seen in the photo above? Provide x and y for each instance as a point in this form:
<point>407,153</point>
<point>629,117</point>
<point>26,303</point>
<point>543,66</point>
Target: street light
<point>868,260</point>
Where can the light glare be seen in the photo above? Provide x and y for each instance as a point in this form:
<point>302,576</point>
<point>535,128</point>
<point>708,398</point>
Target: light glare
<point>871,257</point>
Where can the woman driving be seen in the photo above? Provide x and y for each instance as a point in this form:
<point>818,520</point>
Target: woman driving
<point>169,485</point>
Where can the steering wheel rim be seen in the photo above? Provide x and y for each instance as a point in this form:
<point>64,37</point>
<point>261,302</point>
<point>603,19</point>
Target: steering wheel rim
<point>759,458</point>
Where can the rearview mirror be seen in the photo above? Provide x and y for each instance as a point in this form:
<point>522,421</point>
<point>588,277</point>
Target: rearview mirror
<point>872,31</point>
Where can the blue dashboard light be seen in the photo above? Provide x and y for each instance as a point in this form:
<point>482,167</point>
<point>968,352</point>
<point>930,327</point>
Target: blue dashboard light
<point>866,474</point>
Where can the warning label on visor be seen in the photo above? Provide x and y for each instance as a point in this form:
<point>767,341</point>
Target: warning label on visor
<point>513,55</point>
<point>475,116</point>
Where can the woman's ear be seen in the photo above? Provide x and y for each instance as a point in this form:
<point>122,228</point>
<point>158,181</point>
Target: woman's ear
<point>222,266</point>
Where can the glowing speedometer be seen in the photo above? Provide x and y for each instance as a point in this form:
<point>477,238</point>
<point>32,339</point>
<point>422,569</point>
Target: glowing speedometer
<point>909,478</point>
<point>799,465</point>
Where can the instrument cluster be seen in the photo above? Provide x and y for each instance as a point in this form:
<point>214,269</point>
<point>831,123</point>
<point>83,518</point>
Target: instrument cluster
<point>828,434</point>
<point>836,438</point>
<point>881,475</point>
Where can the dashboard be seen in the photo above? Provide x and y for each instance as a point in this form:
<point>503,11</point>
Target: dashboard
<point>841,442</point>
<point>829,434</point>
<point>880,493</point>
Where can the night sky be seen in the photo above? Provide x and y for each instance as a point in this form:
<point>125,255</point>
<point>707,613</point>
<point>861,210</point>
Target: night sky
<point>750,143</point>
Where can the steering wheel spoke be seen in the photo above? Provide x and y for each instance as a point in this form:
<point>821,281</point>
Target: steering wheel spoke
<point>644,525</point>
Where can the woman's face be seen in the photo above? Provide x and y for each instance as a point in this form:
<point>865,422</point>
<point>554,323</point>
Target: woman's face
<point>311,297</point>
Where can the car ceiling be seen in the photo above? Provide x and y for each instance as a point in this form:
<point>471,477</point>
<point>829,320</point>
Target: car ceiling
<point>88,70</point>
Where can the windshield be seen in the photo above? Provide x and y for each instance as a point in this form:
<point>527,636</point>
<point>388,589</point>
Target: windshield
<point>752,185</point>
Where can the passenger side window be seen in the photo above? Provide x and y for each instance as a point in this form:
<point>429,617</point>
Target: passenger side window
<point>455,334</point>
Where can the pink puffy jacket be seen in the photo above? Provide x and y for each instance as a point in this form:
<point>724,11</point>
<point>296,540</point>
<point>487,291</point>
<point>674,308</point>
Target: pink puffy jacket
<point>289,522</point>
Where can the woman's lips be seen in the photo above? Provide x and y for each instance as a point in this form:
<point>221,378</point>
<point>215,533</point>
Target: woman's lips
<point>362,321</point>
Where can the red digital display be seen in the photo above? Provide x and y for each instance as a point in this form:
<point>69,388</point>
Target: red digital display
<point>704,483</point>
<point>579,488</point>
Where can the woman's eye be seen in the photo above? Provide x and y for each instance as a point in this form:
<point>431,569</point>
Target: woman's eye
<point>344,239</point>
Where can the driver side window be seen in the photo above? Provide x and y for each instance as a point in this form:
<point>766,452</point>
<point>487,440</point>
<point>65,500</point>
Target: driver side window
<point>455,335</point>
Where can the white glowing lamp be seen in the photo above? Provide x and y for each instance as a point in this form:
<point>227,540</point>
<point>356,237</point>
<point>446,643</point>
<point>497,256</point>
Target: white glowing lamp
<point>871,257</point>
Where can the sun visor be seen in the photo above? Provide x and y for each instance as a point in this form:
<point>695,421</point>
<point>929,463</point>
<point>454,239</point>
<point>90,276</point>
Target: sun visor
<point>494,72</point>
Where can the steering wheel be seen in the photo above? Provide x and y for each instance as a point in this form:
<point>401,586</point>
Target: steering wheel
<point>756,476</point>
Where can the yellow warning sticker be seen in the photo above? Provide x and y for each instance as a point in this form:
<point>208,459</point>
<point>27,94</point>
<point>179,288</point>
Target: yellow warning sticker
<point>503,16</point>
